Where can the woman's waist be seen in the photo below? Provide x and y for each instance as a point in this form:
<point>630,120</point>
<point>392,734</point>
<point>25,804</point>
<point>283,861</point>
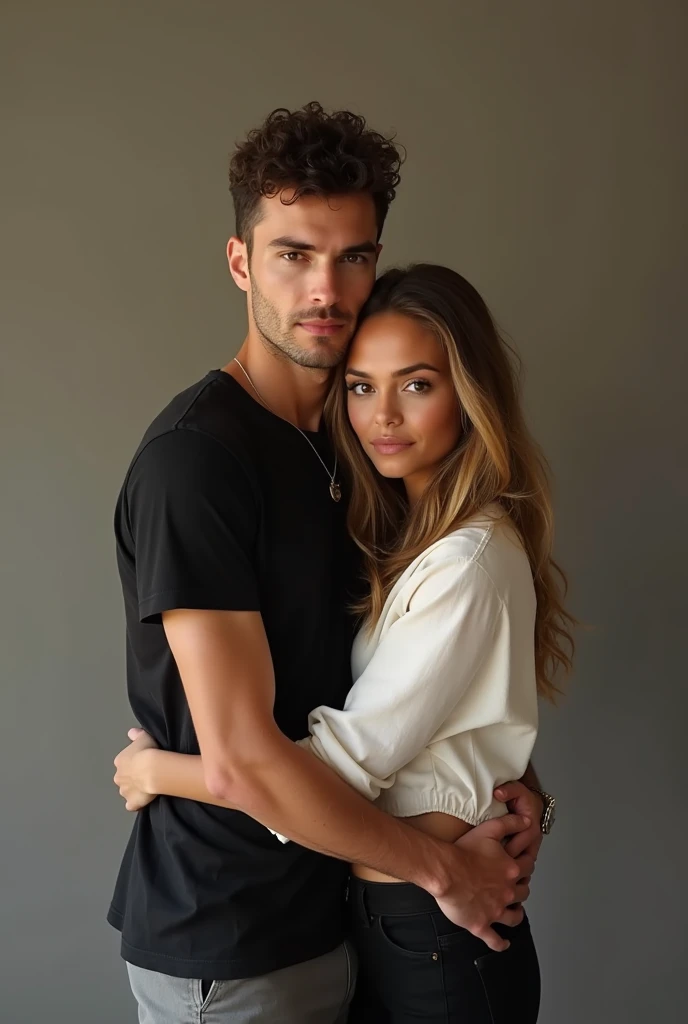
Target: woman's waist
<point>438,824</point>
<point>383,900</point>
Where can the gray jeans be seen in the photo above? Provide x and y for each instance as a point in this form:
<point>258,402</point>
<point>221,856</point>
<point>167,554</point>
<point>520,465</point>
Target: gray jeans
<point>315,992</point>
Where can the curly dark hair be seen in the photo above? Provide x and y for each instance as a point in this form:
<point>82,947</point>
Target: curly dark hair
<point>313,153</point>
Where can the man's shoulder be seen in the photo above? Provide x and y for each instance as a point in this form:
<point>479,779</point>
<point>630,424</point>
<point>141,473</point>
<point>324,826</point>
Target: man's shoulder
<point>201,431</point>
<point>208,416</point>
<point>197,450</point>
<point>209,408</point>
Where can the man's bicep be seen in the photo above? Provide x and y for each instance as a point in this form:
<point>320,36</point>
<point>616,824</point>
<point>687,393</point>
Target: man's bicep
<point>193,517</point>
<point>226,671</point>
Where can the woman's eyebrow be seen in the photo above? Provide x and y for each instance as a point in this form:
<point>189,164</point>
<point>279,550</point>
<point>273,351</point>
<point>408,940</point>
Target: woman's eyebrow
<point>397,373</point>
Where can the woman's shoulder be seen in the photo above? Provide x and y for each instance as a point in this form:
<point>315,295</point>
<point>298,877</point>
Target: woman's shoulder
<point>488,541</point>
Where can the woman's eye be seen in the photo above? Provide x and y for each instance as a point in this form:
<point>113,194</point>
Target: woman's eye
<point>418,387</point>
<point>360,388</point>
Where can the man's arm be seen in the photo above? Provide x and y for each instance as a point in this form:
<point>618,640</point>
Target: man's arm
<point>144,772</point>
<point>226,669</point>
<point>191,509</point>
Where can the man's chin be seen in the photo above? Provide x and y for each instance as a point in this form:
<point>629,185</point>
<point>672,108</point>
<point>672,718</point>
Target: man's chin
<point>323,361</point>
<point>323,354</point>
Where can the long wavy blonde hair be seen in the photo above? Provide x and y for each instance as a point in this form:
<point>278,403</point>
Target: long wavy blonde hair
<point>496,460</point>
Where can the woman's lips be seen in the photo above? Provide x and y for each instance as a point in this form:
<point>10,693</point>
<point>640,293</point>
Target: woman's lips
<point>390,445</point>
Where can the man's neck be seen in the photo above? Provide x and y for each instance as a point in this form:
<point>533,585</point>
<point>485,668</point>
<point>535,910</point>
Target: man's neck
<point>295,393</point>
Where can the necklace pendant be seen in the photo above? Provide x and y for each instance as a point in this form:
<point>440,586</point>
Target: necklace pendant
<point>335,491</point>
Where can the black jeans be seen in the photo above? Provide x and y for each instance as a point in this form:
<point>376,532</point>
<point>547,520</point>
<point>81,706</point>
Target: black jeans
<point>415,965</point>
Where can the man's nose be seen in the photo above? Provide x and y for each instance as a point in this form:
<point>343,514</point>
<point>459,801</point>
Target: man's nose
<point>324,287</point>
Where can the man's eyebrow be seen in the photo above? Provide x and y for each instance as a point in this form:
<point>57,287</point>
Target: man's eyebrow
<point>363,247</point>
<point>397,373</point>
<point>291,243</point>
<point>285,242</point>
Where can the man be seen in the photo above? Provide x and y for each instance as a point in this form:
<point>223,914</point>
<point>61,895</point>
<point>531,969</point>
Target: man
<point>237,572</point>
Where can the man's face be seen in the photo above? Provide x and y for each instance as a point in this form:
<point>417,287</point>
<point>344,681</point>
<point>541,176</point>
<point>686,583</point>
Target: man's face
<point>311,268</point>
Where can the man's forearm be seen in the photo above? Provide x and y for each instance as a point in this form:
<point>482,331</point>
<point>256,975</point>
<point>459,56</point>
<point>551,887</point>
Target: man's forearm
<point>294,793</point>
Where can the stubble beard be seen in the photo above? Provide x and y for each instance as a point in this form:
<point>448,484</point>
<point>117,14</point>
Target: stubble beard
<point>278,337</point>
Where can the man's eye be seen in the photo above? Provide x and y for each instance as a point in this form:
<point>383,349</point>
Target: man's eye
<point>354,257</point>
<point>292,257</point>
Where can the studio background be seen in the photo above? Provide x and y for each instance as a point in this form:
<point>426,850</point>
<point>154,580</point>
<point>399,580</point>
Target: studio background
<point>547,163</point>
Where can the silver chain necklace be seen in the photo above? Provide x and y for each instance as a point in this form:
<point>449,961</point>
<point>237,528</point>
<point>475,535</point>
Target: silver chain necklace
<point>335,489</point>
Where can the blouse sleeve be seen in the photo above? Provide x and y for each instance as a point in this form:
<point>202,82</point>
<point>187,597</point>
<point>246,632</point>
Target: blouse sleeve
<point>424,664</point>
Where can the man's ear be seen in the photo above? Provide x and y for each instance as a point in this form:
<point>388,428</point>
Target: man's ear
<point>237,258</point>
<point>378,251</point>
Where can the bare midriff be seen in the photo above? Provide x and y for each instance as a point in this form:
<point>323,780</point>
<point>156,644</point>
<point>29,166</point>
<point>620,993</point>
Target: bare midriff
<point>436,823</point>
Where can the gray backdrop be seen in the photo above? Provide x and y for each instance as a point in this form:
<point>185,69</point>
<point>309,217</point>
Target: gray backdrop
<point>547,162</point>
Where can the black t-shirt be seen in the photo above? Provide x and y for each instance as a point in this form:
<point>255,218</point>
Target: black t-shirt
<point>225,506</point>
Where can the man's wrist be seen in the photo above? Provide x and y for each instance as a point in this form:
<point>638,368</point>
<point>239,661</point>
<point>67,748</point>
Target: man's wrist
<point>440,868</point>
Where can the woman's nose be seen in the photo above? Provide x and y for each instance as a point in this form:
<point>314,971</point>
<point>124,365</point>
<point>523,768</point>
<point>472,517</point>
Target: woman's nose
<point>387,414</point>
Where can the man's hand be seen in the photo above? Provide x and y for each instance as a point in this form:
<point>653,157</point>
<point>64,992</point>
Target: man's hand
<point>521,800</point>
<point>130,774</point>
<point>489,881</point>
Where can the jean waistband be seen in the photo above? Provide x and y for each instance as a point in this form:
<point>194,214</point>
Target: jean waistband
<point>389,898</point>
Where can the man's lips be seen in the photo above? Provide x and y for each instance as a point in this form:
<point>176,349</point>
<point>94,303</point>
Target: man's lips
<point>390,445</point>
<point>321,327</point>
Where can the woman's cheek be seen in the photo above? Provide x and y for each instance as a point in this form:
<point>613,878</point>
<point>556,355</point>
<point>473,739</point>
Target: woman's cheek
<point>440,424</point>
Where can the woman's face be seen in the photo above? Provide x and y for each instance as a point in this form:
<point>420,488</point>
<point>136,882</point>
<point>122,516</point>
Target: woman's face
<point>401,399</point>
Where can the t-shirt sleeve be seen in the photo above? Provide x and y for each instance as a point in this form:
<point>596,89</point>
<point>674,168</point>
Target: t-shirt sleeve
<point>193,517</point>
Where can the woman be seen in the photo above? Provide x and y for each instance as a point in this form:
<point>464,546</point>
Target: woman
<point>461,626</point>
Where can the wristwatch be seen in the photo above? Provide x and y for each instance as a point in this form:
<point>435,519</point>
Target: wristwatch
<point>547,819</point>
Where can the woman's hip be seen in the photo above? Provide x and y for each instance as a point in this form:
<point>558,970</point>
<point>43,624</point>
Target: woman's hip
<point>415,964</point>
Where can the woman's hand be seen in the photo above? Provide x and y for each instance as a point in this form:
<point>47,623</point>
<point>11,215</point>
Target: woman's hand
<point>525,845</point>
<point>130,777</point>
<point>521,800</point>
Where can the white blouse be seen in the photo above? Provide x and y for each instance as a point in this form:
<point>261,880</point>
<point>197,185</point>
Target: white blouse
<point>444,704</point>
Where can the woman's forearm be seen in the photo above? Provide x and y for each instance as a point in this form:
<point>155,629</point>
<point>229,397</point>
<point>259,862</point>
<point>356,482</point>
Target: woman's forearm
<point>529,778</point>
<point>168,774</point>
<point>165,773</point>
